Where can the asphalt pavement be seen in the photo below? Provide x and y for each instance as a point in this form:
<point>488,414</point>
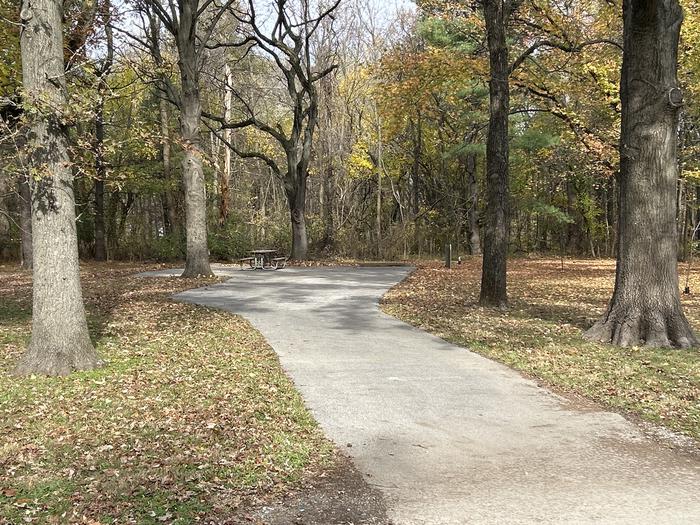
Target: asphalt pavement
<point>450,437</point>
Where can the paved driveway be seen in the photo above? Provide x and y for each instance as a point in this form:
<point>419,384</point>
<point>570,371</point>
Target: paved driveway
<point>450,437</point>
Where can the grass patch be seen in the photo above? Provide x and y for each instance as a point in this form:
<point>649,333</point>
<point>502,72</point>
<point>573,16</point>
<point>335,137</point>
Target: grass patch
<point>191,417</point>
<point>541,334</point>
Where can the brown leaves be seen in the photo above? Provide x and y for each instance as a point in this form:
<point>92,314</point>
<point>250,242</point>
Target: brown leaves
<point>541,333</point>
<point>192,413</point>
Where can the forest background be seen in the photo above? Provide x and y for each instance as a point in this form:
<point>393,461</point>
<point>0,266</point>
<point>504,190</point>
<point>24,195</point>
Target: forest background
<point>397,163</point>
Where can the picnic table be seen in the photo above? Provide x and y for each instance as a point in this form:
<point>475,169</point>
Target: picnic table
<point>264,259</point>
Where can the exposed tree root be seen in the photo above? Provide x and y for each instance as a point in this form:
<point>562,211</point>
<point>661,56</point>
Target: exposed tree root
<point>650,328</point>
<point>194,270</point>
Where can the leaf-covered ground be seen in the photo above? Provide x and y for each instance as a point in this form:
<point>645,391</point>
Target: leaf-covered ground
<point>541,334</point>
<point>191,418</point>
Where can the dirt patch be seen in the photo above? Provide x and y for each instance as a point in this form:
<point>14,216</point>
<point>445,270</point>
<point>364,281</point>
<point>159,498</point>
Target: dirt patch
<point>338,497</point>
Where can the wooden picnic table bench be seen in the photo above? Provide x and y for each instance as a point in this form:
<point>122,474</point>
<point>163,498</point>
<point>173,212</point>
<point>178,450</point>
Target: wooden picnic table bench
<point>264,259</point>
<point>279,262</point>
<point>249,260</point>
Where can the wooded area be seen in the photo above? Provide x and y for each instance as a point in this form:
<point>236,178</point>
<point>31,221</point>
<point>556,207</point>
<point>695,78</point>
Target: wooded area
<point>198,130</point>
<point>349,261</point>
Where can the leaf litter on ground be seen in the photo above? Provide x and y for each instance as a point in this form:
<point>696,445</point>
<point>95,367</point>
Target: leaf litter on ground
<point>191,418</point>
<point>541,333</point>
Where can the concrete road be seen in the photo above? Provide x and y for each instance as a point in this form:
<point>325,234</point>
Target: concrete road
<point>448,436</point>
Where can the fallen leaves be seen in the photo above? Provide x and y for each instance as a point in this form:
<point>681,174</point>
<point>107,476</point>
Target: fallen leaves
<point>191,417</point>
<point>541,333</point>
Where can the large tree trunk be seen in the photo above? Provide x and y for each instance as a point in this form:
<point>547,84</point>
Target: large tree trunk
<point>25,221</point>
<point>473,213</point>
<point>197,262</point>
<point>300,245</point>
<point>493,276</point>
<point>60,341</point>
<point>645,308</point>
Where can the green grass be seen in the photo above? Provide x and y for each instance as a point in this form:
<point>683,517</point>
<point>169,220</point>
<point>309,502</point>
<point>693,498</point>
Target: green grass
<point>191,417</point>
<point>541,335</point>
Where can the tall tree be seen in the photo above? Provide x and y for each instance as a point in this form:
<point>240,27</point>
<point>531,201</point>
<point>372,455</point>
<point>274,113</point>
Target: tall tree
<point>102,72</point>
<point>645,308</point>
<point>288,42</point>
<point>498,16</point>
<point>60,341</point>
<point>497,228</point>
<point>182,20</point>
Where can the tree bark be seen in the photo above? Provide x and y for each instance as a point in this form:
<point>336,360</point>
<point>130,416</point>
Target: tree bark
<point>225,175</point>
<point>697,213</point>
<point>645,308</point>
<point>197,262</point>
<point>300,243</point>
<point>681,223</point>
<point>327,162</point>
<point>378,213</point>
<point>496,232</point>
<point>60,342</point>
<point>295,188</point>
<point>379,164</point>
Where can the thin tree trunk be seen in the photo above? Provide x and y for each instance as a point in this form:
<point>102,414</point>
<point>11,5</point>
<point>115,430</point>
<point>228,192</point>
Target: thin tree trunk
<point>378,213</point>
<point>169,200</point>
<point>225,178</point>
<point>328,203</point>
<point>473,219</point>
<point>99,146</point>
<point>573,241</point>
<point>100,175</point>
<point>697,212</point>
<point>415,171</point>
<point>493,275</point>
<point>414,197</point>
<point>378,203</point>
<point>328,163</point>
<point>25,221</point>
<point>680,218</point>
<point>60,342</point>
<point>645,308</point>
